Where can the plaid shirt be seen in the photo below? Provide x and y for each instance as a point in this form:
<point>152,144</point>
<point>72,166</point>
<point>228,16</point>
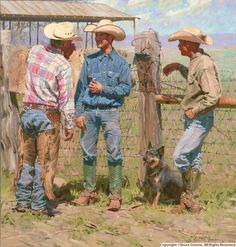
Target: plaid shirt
<point>49,81</point>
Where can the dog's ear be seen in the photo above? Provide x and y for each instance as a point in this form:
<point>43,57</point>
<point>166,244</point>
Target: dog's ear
<point>161,151</point>
<point>149,145</point>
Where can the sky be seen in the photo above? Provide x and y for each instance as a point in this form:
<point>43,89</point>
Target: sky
<point>168,16</point>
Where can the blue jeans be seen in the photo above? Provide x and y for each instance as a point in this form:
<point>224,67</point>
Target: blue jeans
<point>34,122</point>
<point>29,188</point>
<point>188,150</point>
<point>109,121</point>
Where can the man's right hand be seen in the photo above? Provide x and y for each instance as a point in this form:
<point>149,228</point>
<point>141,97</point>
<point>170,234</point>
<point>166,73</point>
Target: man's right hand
<point>169,68</point>
<point>80,122</point>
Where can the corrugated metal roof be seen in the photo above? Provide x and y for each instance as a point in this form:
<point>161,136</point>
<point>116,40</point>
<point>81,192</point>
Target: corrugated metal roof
<point>59,11</point>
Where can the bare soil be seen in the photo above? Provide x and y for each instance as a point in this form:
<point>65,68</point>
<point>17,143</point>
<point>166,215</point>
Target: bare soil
<point>134,225</point>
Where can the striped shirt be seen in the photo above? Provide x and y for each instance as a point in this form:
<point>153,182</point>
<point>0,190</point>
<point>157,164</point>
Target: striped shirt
<point>49,82</point>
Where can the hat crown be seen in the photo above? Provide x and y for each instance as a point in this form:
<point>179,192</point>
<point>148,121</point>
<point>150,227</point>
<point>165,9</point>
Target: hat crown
<point>64,30</point>
<point>106,26</point>
<point>60,31</point>
<point>192,34</point>
<point>104,22</point>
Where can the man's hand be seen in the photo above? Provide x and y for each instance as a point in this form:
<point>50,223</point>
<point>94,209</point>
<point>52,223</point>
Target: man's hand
<point>95,87</point>
<point>68,134</point>
<point>80,122</point>
<point>189,114</point>
<point>169,68</point>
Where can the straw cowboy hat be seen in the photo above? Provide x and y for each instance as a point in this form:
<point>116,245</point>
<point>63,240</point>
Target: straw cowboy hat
<point>61,31</point>
<point>107,26</point>
<point>192,34</point>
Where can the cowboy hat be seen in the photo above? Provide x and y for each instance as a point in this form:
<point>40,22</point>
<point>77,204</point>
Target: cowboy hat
<point>60,31</point>
<point>192,34</point>
<point>107,26</point>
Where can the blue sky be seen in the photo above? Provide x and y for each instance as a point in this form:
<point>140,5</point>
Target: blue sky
<point>167,16</point>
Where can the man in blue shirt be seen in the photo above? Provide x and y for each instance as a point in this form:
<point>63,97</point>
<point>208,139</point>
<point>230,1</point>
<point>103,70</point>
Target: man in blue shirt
<point>104,82</point>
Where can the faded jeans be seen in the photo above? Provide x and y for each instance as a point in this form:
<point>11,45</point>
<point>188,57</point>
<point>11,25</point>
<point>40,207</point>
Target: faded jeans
<point>29,188</point>
<point>109,121</point>
<point>188,150</point>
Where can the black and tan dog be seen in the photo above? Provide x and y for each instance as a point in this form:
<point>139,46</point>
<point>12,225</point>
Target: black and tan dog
<point>160,180</point>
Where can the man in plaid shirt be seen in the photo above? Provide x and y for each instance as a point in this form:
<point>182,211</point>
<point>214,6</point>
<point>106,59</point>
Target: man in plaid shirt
<point>49,92</point>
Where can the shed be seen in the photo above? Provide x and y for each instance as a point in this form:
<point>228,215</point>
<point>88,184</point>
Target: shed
<point>56,11</point>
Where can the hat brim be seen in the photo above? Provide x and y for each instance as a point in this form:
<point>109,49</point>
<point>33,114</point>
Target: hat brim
<point>49,33</point>
<point>117,32</point>
<point>183,35</point>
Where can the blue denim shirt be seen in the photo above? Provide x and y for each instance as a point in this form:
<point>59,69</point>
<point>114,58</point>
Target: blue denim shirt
<point>112,71</point>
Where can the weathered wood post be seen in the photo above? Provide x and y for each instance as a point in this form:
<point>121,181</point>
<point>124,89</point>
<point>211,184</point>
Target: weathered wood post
<point>147,54</point>
<point>8,113</point>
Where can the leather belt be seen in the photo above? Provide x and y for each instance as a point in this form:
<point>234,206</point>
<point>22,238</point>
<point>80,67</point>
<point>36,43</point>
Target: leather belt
<point>28,106</point>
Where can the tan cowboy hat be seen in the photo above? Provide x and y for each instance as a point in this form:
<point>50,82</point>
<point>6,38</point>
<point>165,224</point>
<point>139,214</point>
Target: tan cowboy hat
<point>107,26</point>
<point>192,34</point>
<point>61,31</point>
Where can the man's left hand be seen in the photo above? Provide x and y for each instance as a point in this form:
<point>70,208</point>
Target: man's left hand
<point>95,87</point>
<point>189,114</point>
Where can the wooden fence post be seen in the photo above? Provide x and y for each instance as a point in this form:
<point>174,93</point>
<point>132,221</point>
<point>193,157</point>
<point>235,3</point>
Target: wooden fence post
<point>147,55</point>
<point>8,112</point>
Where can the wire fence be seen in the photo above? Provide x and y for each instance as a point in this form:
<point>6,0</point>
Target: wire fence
<point>219,149</point>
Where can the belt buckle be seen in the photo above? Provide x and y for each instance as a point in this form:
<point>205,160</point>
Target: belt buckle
<point>27,108</point>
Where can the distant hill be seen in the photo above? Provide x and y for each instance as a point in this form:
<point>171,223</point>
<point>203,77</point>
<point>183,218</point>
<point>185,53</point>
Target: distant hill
<point>219,40</point>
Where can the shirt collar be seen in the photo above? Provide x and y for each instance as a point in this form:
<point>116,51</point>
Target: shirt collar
<point>199,53</point>
<point>54,49</point>
<point>111,54</point>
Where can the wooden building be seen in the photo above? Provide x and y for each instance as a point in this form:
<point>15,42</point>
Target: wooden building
<point>38,12</point>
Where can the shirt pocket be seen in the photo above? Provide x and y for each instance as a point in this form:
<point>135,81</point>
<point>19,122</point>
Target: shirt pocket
<point>113,78</point>
<point>94,76</point>
<point>192,84</point>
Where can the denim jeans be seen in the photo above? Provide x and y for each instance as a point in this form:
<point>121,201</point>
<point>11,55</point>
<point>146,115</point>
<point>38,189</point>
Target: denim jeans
<point>188,150</point>
<point>109,121</point>
<point>29,188</point>
<point>34,122</point>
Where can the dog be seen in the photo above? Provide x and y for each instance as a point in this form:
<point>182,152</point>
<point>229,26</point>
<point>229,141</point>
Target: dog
<point>160,180</point>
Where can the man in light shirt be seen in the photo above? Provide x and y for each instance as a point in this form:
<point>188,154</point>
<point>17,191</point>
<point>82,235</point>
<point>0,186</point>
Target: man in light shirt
<point>202,95</point>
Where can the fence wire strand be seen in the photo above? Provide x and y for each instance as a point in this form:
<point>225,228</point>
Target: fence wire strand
<point>219,148</point>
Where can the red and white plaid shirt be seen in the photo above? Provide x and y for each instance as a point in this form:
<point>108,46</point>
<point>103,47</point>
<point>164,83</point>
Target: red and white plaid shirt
<point>49,81</point>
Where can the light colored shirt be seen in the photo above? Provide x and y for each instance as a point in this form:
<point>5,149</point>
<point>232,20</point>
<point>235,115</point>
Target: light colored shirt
<point>49,82</point>
<point>112,71</point>
<point>203,84</point>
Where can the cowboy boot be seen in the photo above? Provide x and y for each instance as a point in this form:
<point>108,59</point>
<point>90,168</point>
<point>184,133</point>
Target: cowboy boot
<point>115,184</point>
<point>88,195</point>
<point>195,175</point>
<point>185,198</point>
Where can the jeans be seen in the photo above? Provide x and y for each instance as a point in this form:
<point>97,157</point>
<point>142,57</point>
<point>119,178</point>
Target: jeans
<point>109,121</point>
<point>188,150</point>
<point>34,122</point>
<point>29,188</point>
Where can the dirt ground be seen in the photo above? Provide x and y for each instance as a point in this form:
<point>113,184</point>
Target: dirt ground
<point>134,225</point>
